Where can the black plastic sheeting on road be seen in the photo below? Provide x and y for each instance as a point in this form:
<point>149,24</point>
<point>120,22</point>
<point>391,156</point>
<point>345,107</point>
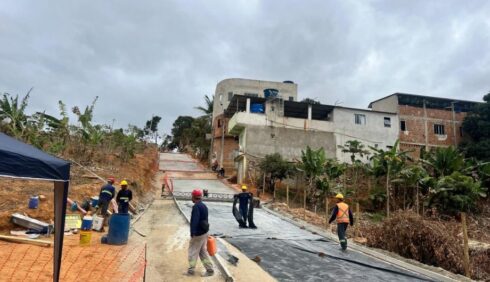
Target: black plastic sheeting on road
<point>289,253</point>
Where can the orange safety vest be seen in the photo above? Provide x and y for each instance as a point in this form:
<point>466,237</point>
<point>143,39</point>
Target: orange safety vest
<point>342,213</point>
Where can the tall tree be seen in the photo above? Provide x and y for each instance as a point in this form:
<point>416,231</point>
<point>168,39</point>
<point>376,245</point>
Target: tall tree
<point>477,126</point>
<point>151,126</point>
<point>179,139</point>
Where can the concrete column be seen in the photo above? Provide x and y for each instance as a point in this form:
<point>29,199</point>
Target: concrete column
<point>309,112</point>
<point>247,110</point>
<point>454,125</point>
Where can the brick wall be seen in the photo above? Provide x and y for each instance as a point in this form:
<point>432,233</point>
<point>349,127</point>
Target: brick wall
<point>414,120</point>
<point>231,145</point>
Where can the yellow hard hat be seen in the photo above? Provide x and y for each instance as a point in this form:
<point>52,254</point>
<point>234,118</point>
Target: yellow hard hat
<point>124,183</point>
<point>244,187</point>
<point>339,196</point>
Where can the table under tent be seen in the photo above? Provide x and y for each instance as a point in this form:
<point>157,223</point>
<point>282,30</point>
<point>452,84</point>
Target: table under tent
<point>22,161</point>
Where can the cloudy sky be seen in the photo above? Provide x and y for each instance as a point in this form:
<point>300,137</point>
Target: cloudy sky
<point>162,57</point>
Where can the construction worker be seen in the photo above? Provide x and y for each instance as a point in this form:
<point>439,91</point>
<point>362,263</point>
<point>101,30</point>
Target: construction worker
<point>243,199</point>
<point>124,196</point>
<point>105,196</point>
<point>343,215</point>
<point>199,235</point>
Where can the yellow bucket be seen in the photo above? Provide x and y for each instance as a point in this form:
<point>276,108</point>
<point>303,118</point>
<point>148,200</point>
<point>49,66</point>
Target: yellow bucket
<point>85,238</point>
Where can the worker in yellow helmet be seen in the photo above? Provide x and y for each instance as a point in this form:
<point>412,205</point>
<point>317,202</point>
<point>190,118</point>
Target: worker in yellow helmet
<point>245,208</point>
<point>124,196</point>
<point>343,215</point>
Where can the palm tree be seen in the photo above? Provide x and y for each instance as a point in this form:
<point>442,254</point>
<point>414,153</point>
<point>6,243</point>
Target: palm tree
<point>313,165</point>
<point>208,109</point>
<point>391,162</point>
<point>12,113</point>
<point>354,148</point>
<point>444,161</point>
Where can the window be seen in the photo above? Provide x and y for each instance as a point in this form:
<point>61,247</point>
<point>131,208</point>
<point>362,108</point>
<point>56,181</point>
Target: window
<point>251,94</point>
<point>387,122</point>
<point>230,95</point>
<point>291,98</point>
<point>389,147</point>
<point>403,125</point>
<point>360,119</point>
<point>219,123</point>
<point>439,129</point>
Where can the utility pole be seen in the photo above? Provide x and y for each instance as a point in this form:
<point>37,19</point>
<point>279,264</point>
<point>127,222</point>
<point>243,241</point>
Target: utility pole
<point>222,132</point>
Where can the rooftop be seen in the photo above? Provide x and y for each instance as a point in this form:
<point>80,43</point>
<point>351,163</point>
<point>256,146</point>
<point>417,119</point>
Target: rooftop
<point>431,102</point>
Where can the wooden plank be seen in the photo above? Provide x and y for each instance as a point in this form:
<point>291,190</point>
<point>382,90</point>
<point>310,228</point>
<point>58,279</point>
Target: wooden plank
<point>26,240</point>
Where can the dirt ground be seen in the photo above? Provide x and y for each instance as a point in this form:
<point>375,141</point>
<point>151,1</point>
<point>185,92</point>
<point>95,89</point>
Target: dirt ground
<point>15,194</point>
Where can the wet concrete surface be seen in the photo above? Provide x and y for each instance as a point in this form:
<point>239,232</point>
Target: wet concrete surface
<point>276,242</point>
<point>212,185</point>
<point>175,157</point>
<point>179,166</point>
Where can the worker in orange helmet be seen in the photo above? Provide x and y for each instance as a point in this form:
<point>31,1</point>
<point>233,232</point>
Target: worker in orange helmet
<point>343,215</point>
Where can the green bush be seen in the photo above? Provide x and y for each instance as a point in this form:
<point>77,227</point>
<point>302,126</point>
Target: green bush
<point>455,193</point>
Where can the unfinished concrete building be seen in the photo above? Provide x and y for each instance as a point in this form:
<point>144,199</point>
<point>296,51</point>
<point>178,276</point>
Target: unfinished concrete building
<point>426,122</point>
<point>225,145</point>
<point>274,125</point>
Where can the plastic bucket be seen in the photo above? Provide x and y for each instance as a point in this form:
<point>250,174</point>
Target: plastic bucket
<point>85,237</point>
<point>87,223</point>
<point>118,229</point>
<point>34,202</point>
<point>94,201</point>
<point>97,223</point>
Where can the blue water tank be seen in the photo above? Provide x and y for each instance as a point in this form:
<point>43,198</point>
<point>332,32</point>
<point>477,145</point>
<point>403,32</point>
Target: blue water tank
<point>257,108</point>
<point>270,93</point>
<point>118,229</point>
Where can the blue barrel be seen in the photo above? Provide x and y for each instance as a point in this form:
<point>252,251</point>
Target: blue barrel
<point>34,202</point>
<point>87,223</point>
<point>95,201</point>
<point>118,229</point>
<point>257,108</point>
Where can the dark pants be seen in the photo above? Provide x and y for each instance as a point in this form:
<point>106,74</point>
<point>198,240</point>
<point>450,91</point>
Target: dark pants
<point>103,206</point>
<point>341,230</point>
<point>244,214</point>
<point>122,207</point>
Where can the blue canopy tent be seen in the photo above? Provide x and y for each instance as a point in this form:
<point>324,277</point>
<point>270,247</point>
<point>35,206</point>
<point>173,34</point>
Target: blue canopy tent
<point>19,160</point>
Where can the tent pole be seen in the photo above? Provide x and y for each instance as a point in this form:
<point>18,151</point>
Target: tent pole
<point>60,195</point>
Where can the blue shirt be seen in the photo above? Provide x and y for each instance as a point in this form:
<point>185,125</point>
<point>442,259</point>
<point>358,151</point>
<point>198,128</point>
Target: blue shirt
<point>198,216</point>
<point>107,192</point>
<point>243,199</point>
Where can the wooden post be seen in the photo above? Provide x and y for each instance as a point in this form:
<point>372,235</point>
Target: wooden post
<point>304,203</point>
<point>326,213</point>
<point>274,195</point>
<point>466,258</point>
<point>356,233</point>
<point>287,195</point>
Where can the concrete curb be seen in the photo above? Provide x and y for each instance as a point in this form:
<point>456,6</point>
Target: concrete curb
<point>370,252</point>
<point>218,260</point>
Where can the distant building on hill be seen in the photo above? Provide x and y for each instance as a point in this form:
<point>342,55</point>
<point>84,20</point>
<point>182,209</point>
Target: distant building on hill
<point>426,122</point>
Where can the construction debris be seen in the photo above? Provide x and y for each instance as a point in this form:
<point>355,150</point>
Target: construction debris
<point>31,223</point>
<point>26,240</point>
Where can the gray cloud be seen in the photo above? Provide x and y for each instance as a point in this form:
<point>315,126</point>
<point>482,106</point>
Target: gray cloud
<point>162,57</point>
